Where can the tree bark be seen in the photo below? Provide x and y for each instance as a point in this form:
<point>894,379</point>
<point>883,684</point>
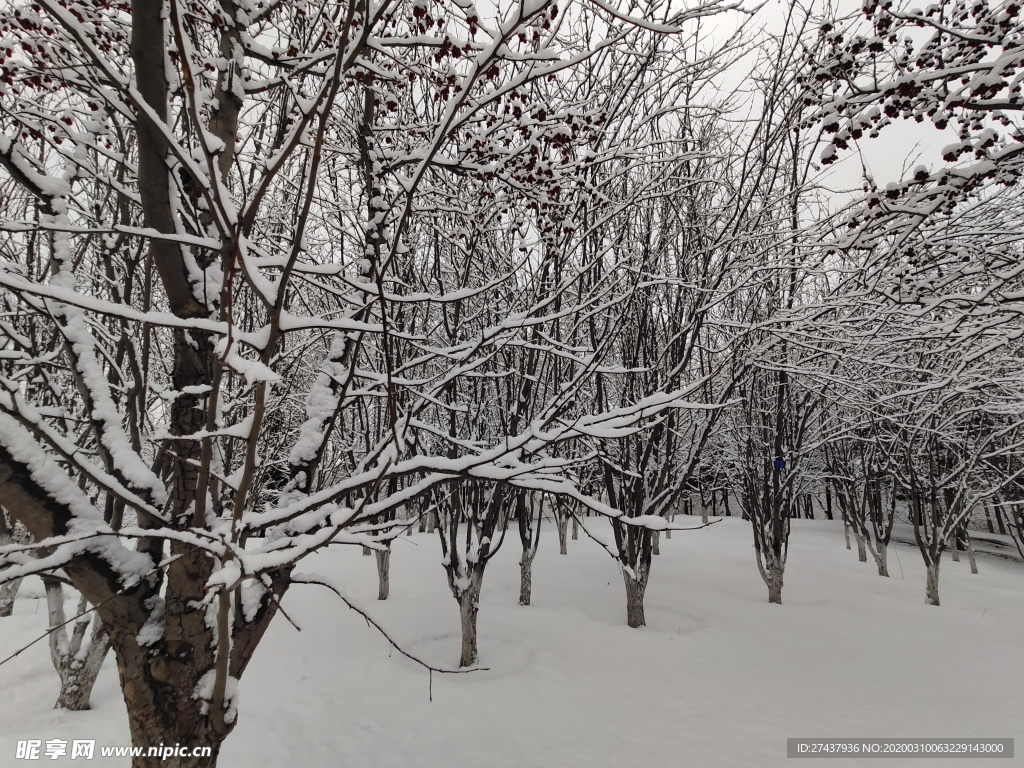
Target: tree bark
<point>563,529</point>
<point>575,528</point>
<point>655,543</point>
<point>634,601</point>
<point>997,508</point>
<point>76,665</point>
<point>970,552</point>
<point>862,552</point>
<point>882,559</point>
<point>8,592</point>
<point>525,578</point>
<point>931,596</point>
<point>469,605</point>
<point>383,573</point>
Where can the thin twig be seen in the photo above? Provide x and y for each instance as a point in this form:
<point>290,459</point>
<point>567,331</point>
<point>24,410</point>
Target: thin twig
<point>310,579</point>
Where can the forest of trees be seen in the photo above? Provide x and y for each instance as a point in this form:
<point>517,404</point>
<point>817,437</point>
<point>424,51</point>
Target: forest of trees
<point>282,275</point>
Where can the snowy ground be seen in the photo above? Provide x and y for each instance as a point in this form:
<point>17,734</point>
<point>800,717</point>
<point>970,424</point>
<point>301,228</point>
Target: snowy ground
<point>718,677</point>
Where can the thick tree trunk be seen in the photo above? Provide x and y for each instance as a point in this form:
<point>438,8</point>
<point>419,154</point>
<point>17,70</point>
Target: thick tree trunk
<point>655,543</point>
<point>634,601</point>
<point>862,551</point>
<point>469,605</point>
<point>931,595</point>
<point>431,521</point>
<point>383,573</point>
<point>525,578</point>
<point>775,591</point>
<point>160,684</point>
<point>146,733</point>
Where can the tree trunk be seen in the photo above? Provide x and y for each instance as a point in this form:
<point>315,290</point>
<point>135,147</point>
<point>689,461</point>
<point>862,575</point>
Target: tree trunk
<point>931,596</point>
<point>525,578</point>
<point>656,549</point>
<point>882,559</point>
<point>955,549</point>
<point>862,552</point>
<point>77,683</point>
<point>367,551</point>
<point>562,522</point>
<point>846,532</point>
<point>575,528</point>
<point>634,601</point>
<point>431,521</point>
<point>997,508</point>
<point>147,732</point>
<point>77,658</point>
<point>8,592</point>
<point>383,573</point>
<point>970,552</point>
<point>775,591</point>
<point>469,605</point>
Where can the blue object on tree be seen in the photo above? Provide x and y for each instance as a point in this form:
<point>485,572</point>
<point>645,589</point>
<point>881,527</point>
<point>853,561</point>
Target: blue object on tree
<point>779,463</point>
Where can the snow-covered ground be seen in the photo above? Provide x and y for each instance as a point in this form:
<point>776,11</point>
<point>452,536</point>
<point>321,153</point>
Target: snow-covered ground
<point>718,677</point>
